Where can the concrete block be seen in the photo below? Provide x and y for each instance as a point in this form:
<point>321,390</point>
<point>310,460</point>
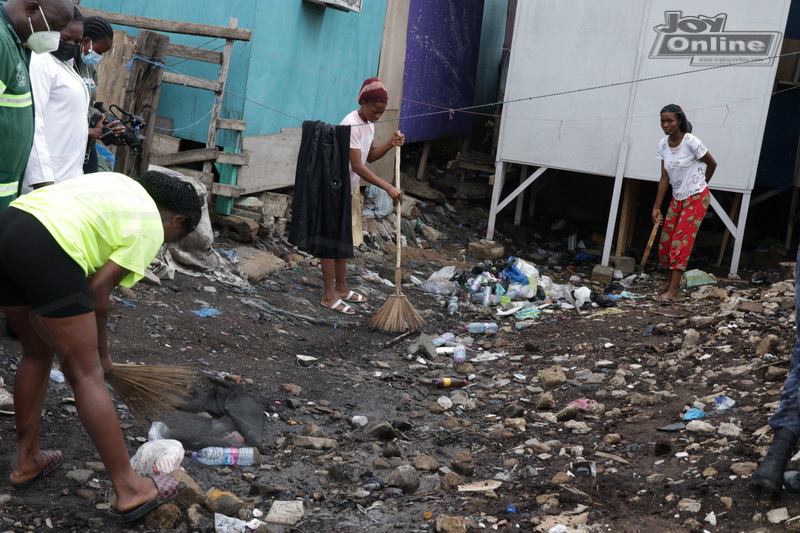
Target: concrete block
<point>237,228</point>
<point>275,205</point>
<point>485,250</point>
<point>623,263</point>
<point>787,270</point>
<point>602,274</point>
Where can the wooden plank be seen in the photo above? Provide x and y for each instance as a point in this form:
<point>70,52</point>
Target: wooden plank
<point>223,189</point>
<point>231,124</point>
<point>169,26</point>
<point>233,158</point>
<point>164,144</point>
<point>194,53</point>
<point>227,54</point>
<point>112,71</point>
<point>191,81</point>
<point>189,156</point>
<point>273,161</point>
<point>244,213</point>
<point>142,93</point>
<point>206,179</point>
<point>628,208</point>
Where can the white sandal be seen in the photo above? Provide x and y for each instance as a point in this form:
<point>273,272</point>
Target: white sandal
<point>353,296</point>
<point>345,310</point>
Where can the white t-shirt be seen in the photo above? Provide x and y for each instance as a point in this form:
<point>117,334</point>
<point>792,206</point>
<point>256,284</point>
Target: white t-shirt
<point>361,136</point>
<point>687,174</point>
<point>60,99</point>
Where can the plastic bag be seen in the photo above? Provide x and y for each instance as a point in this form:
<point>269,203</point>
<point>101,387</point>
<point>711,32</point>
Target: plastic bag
<point>514,275</point>
<point>526,268</point>
<point>581,296</point>
<point>158,457</point>
<point>381,206</point>
<point>446,288</point>
<point>443,274</point>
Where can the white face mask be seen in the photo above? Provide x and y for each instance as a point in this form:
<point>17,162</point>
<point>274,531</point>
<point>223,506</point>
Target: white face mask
<point>43,42</point>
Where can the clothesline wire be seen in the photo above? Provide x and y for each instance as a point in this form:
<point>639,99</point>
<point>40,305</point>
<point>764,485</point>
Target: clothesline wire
<point>466,109</point>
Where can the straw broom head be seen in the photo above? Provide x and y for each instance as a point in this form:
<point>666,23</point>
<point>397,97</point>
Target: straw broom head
<point>150,390</point>
<point>396,315</point>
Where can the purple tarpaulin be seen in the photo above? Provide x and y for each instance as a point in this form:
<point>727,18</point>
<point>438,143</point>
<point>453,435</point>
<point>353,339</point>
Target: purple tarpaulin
<point>441,66</point>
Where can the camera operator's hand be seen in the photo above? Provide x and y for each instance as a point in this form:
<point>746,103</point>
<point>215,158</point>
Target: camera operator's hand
<point>97,131</point>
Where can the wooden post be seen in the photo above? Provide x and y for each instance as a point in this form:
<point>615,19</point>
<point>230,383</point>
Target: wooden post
<point>142,92</point>
<point>423,162</point>
<point>628,216</point>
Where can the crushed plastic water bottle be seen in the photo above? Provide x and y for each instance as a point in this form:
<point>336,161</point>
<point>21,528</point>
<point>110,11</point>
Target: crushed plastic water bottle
<point>215,455</point>
<point>482,327</point>
<point>443,339</point>
<point>459,354</point>
<point>452,305</point>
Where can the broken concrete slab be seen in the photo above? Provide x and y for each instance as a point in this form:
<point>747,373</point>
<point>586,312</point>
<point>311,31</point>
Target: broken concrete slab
<point>486,250</point>
<point>258,264</point>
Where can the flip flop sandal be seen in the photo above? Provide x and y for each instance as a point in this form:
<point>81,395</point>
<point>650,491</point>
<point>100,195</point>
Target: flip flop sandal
<point>345,310</point>
<point>353,296</point>
<point>663,299</point>
<point>168,488</point>
<point>54,460</point>
<point>6,402</point>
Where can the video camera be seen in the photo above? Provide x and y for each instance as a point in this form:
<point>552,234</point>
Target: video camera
<point>132,124</point>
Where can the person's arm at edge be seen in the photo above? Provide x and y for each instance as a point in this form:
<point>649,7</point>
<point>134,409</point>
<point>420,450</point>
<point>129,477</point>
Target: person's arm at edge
<point>711,165</point>
<point>101,284</point>
<point>375,153</point>
<point>663,184</point>
<point>370,177</point>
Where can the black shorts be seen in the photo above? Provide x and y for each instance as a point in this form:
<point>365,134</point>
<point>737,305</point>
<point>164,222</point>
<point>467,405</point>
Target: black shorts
<point>36,271</point>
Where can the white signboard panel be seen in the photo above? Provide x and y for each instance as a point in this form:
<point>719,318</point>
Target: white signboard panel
<point>676,47</point>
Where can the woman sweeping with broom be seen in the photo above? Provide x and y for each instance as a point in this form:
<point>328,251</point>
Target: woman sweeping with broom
<point>326,208</point>
<point>110,227</point>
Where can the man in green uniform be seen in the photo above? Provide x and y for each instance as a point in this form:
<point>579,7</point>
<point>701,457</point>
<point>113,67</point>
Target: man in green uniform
<point>25,25</point>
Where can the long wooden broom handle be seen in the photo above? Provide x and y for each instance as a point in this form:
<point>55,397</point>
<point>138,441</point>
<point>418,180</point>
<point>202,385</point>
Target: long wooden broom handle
<point>399,206</point>
<point>398,277</point>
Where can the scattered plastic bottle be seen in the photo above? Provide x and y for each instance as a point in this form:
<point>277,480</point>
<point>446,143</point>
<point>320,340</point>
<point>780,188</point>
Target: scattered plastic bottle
<point>215,455</point>
<point>444,338</point>
<point>482,327</point>
<point>474,284</point>
<point>444,383</point>
<point>374,484</point>
<point>459,354</point>
<point>452,305</point>
<point>486,300</point>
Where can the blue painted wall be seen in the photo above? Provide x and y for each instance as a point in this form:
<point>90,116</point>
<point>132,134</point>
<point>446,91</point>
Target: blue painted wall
<point>304,60</point>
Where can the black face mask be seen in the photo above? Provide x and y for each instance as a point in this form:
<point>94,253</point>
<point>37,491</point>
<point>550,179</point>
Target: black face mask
<point>66,51</point>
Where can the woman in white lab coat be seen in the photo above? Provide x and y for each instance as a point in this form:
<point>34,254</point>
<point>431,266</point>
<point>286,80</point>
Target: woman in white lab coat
<point>60,99</point>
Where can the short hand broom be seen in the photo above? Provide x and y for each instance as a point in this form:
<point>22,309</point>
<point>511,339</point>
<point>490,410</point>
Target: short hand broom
<point>150,390</point>
<point>397,314</point>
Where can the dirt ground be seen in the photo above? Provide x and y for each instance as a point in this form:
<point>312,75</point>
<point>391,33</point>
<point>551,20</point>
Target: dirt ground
<point>647,382</point>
